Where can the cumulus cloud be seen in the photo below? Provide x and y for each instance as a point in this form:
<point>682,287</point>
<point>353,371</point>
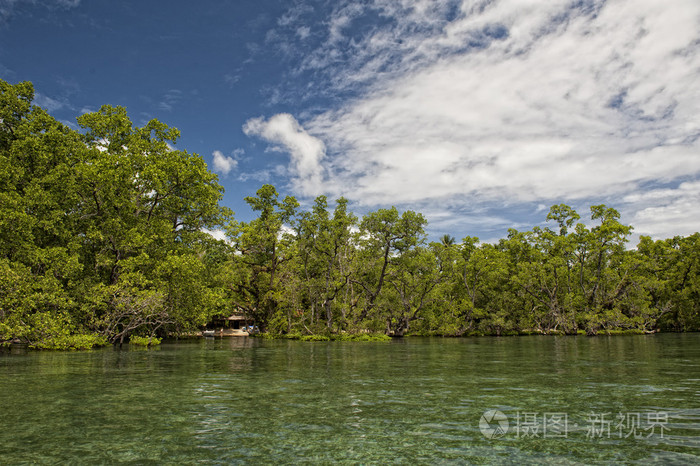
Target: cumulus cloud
<point>523,102</point>
<point>306,151</point>
<point>460,108</point>
<point>666,212</point>
<point>222,163</point>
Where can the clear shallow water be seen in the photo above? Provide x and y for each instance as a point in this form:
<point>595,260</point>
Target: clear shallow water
<point>416,400</point>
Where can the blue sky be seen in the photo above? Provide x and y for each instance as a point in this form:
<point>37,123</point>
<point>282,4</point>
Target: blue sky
<point>479,114</point>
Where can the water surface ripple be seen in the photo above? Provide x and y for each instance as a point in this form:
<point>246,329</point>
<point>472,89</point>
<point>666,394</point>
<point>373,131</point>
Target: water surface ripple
<point>567,400</point>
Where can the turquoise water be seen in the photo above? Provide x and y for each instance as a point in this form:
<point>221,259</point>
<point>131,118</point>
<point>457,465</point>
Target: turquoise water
<point>415,400</point>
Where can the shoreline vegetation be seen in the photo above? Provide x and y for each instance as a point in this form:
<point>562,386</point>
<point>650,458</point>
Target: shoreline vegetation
<point>385,337</point>
<point>142,342</point>
<point>104,240</point>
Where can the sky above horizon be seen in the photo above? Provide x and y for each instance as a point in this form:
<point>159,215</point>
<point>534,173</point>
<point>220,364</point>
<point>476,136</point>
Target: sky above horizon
<point>478,114</point>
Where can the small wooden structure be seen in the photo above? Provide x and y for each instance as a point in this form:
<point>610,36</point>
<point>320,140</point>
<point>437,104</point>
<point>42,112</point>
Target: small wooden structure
<point>235,325</point>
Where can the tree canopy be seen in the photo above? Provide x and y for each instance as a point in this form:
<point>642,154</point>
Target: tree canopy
<point>101,230</point>
<point>103,239</point>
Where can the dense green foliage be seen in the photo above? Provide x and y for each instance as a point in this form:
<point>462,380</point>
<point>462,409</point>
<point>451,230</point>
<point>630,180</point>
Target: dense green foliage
<point>330,274</point>
<point>102,240</point>
<point>100,230</point>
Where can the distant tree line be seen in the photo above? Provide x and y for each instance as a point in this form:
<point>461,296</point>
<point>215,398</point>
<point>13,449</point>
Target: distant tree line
<point>102,239</point>
<point>333,273</point>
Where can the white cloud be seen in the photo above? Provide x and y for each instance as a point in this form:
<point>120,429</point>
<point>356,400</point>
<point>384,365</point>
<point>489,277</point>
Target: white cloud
<point>306,151</point>
<point>510,101</point>
<point>476,111</point>
<point>293,15</point>
<point>666,212</point>
<point>47,103</point>
<point>261,176</point>
<point>7,7</point>
<point>303,32</point>
<point>222,163</point>
<point>170,99</point>
<point>231,79</point>
<point>216,234</point>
